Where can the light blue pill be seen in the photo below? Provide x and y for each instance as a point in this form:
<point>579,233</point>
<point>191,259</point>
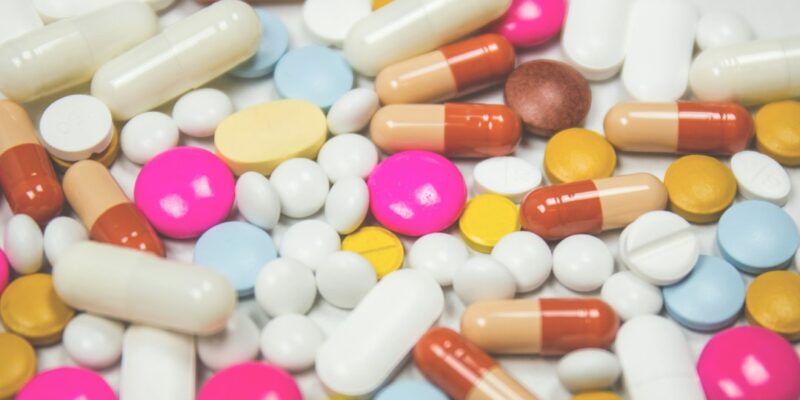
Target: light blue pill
<point>238,251</point>
<point>756,236</point>
<point>709,298</point>
<point>274,43</point>
<point>313,73</point>
<point>408,390</point>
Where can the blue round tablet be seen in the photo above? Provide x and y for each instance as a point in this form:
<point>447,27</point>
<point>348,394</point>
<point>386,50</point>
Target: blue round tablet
<point>238,251</point>
<point>314,73</point>
<point>709,298</point>
<point>274,43</point>
<point>756,236</point>
<point>408,389</point>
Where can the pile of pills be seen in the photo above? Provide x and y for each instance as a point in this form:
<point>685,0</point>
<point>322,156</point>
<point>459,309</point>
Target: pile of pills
<point>396,199</point>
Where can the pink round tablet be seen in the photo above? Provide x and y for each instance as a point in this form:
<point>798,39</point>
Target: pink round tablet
<point>67,383</point>
<point>747,362</point>
<point>3,271</point>
<point>530,23</point>
<point>416,192</point>
<point>251,381</point>
<point>184,191</point>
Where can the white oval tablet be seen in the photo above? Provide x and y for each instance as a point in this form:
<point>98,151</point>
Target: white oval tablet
<point>582,262</point>
<point>285,286</point>
<point>199,112</point>
<point>75,127</point>
<point>310,242</point>
<point>527,256</point>
<point>587,22</point>
<point>257,200</point>
<point>329,21</point>
<point>345,278</point>
<point>438,254</point>
<point>291,342</point>
<point>157,364</point>
<point>59,234</point>
<point>235,344</point>
<point>722,28</point>
<point>347,204</point>
<point>759,177</point>
<point>147,135</point>
<point>302,187</point>
<point>588,369</point>
<point>346,156</point>
<point>353,111</point>
<point>511,177</point>
<point>23,244</point>
<point>92,341</point>
<point>631,296</point>
<point>483,278</point>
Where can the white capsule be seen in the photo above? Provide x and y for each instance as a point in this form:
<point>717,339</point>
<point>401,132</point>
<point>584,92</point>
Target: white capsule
<point>23,244</point>
<point>759,177</point>
<point>722,28</point>
<point>310,242</point>
<point>285,286</point>
<point>257,200</point>
<point>353,111</point>
<point>291,342</point>
<point>53,10</point>
<point>347,204</point>
<point>17,17</point>
<point>330,21</point>
<point>148,134</point>
<point>61,233</point>
<point>630,295</point>
<point>582,263</point>
<point>302,187</point>
<point>199,112</point>
<point>440,255</point>
<point>588,20</point>
<point>483,278</point>
<point>235,344</point>
<point>92,341</point>
<point>588,369</point>
<point>346,156</point>
<point>157,365</point>
<point>345,278</point>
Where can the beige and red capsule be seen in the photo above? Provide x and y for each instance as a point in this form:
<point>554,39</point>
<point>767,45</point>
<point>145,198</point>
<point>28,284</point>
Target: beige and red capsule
<point>679,127</point>
<point>463,370</point>
<point>105,209</point>
<point>453,129</point>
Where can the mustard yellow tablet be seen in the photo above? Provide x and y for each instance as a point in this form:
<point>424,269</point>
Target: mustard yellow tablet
<point>700,188</point>
<point>31,308</point>
<point>578,154</point>
<point>382,248</point>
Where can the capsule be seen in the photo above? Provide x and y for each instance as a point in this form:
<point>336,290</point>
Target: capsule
<point>540,326</point>
<point>105,209</point>
<point>591,206</point>
<point>453,129</point>
<point>183,56</point>
<point>453,70</point>
<point>463,370</point>
<point>26,175</point>
<point>679,127</point>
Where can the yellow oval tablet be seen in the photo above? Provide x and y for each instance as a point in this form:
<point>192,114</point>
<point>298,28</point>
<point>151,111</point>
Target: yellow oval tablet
<point>773,302</point>
<point>700,188</point>
<point>778,131</point>
<point>31,308</point>
<point>106,158</point>
<point>486,219</point>
<point>578,154</point>
<point>17,364</point>
<point>382,248</point>
<point>597,396</point>
<point>260,137</point>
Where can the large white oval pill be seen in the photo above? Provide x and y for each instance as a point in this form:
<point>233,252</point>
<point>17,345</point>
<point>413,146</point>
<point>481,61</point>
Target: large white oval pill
<point>759,177</point>
<point>23,244</point>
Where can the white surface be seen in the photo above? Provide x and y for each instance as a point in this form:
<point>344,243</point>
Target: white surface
<point>148,134</point>
<point>760,177</point>
<point>310,242</point>
<point>157,365</point>
<point>302,187</point>
<point>345,278</point>
<point>285,286</point>
<point>353,111</point>
<point>237,343</point>
<point>582,262</point>
<point>630,295</point>
<point>23,243</point>
<point>440,255</point>
<point>76,127</point>
<point>93,341</point>
<point>346,156</point>
<point>347,204</point>
<point>722,28</point>
<point>527,257</point>
<point>257,200</point>
<point>329,21</point>
<point>511,177</point>
<point>16,18</point>
<point>59,234</point>
<point>483,278</point>
<point>52,10</point>
<point>588,369</point>
<point>199,112</point>
<point>291,342</point>
<point>594,36</point>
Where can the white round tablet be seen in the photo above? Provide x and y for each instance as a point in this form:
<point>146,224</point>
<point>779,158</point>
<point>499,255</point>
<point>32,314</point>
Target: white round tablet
<point>285,286</point>
<point>722,28</point>
<point>630,296</point>
<point>302,187</point>
<point>353,111</point>
<point>345,279</point>
<point>483,278</point>
<point>582,262</point>
<point>660,247</point>
<point>329,21</point>
<point>512,177</point>
<point>147,135</point>
<point>61,233</point>
<point>92,341</point>
<point>199,112</point>
<point>588,369</point>
<point>759,177</point>
<point>257,200</point>
<point>75,127</point>
<point>440,255</point>
<point>527,256</point>
<point>235,344</point>
<point>291,342</point>
<point>310,242</point>
<point>347,204</point>
<point>23,244</point>
<point>347,156</point>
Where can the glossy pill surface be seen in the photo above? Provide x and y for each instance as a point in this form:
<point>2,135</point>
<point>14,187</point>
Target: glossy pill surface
<point>527,257</point>
<point>23,244</point>
<point>773,302</point>
<point>19,364</point>
<point>722,28</point>
<point>700,188</point>
<point>778,131</point>
<point>59,234</point>
<point>382,248</point>
<point>148,134</point>
<point>31,308</point>
<point>93,342</point>
<point>529,23</point>
<point>251,381</point>
<point>585,21</point>
<point>588,369</point>
<point>578,154</point>
<point>199,112</point>
<point>67,383</point>
<point>486,219</point>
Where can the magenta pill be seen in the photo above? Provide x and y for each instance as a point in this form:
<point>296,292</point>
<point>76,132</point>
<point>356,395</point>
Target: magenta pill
<point>749,363</point>
<point>251,381</point>
<point>3,271</point>
<point>530,23</point>
<point>67,383</point>
<point>416,192</point>
<point>184,191</point>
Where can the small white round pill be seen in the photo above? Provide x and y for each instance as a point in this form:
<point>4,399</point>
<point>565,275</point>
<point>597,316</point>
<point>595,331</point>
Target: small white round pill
<point>759,177</point>
<point>440,255</point>
<point>75,127</point>
<point>310,242</point>
<point>329,21</point>
<point>588,369</point>
<point>285,286</point>
<point>582,263</point>
<point>347,204</point>
<point>353,111</point>
<point>483,278</point>
<point>291,342</point>
<point>527,256</point>
<point>347,156</point>
<point>23,244</point>
<point>511,177</point>
<point>93,341</point>
<point>631,296</point>
<point>61,233</point>
<point>722,28</point>
<point>199,112</point>
<point>302,187</point>
<point>147,135</point>
<point>257,200</point>
<point>345,278</point>
<point>237,343</point>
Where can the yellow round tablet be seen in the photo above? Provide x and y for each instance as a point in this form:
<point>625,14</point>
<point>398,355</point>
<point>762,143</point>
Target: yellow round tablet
<point>778,131</point>
<point>260,137</point>
<point>106,157</point>
<point>773,302</point>
<point>700,188</point>
<point>31,308</point>
<point>376,4</point>
<point>486,219</point>
<point>17,364</point>
<point>578,154</point>
<point>382,248</point>
<point>597,396</point>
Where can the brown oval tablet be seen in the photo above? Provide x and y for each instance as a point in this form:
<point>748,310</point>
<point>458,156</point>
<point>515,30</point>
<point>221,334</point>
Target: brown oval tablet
<point>548,96</point>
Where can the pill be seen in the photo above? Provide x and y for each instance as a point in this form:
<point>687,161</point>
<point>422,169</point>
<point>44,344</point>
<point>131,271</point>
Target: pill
<point>656,361</point>
<point>157,364</point>
<point>285,286</point>
<point>310,242</point>
<point>486,219</point>
<point>463,370</point>
<point>557,211</point>
<point>658,53</point>
<point>483,278</point>
<point>778,131</point>
<point>631,296</point>
<point>76,127</point>
<point>30,308</point>
<point>453,129</point>
<point>659,247</point>
<point>18,17</point>
<point>756,236</point>
<point>59,234</point>
<point>541,326</point>
<point>722,28</point>
<point>139,287</point>
<point>66,383</point>
<point>438,254</point>
<point>251,380</point>
<point>3,271</point>
<point>760,177</point>
<point>345,279</point>
<point>597,60</point>
<point>184,191</point>
<point>548,95</point>
<point>148,134</point>
<point>144,78</point>
<point>700,188</point>
<point>291,342</point>
<point>347,204</point>
<point>260,137</point>
<point>771,302</point>
<point>527,257</point>
<point>596,396</point>
<point>28,180</point>
<point>23,244</point>
<point>578,154</point>
<point>406,28</point>
<point>273,45</point>
<point>104,208</point>
<point>451,71</point>
<point>257,200</point>
<point>329,22</point>
<point>376,4</point>
<point>507,176</point>
<point>416,192</point>
<point>353,111</point>
<point>588,369</point>
<point>357,358</point>
<point>236,344</point>
<point>382,248</point>
<point>332,75</point>
<point>34,64</point>
<point>410,389</point>
<point>726,363</point>
<point>582,263</point>
<point>529,23</point>
<point>679,127</point>
<point>93,341</point>
<point>19,364</point>
<point>301,185</point>
<point>347,155</point>
<point>199,112</point>
<point>54,10</point>
<point>749,73</point>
